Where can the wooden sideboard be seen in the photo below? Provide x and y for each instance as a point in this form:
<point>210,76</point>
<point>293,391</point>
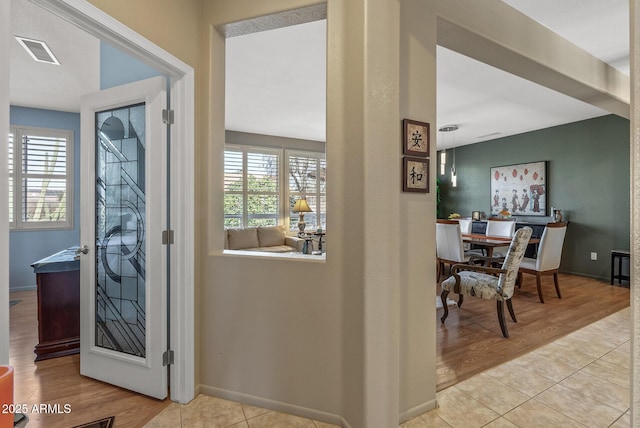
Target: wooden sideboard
<point>480,227</point>
<point>58,280</point>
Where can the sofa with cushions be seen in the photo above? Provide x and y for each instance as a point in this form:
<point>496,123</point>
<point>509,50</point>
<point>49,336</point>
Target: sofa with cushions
<point>271,239</point>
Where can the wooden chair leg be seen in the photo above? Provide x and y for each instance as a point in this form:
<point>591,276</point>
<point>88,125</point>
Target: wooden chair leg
<point>538,281</point>
<point>519,280</point>
<point>438,270</point>
<point>503,324</point>
<point>443,298</point>
<point>460,299</point>
<point>555,280</point>
<point>510,307</point>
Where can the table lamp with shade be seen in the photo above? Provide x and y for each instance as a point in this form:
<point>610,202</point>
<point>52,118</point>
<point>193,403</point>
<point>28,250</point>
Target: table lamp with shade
<point>301,206</point>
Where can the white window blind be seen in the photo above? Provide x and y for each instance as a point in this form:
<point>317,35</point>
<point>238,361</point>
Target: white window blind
<point>251,186</point>
<point>41,184</point>
<point>11,181</point>
<point>307,178</point>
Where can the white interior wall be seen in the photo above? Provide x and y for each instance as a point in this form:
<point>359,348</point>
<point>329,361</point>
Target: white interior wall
<point>417,216</point>
<point>634,268</point>
<point>5,34</point>
<point>363,131</point>
<point>270,329</point>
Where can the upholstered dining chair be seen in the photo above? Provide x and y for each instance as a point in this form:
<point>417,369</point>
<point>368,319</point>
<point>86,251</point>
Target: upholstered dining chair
<point>498,227</point>
<point>465,228</point>
<point>465,225</point>
<point>449,246</point>
<point>488,282</point>
<point>503,229</point>
<point>547,261</point>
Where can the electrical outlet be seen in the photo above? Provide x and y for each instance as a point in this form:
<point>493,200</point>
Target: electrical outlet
<point>594,256</point>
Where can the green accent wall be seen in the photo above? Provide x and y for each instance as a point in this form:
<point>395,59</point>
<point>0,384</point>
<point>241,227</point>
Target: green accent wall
<point>587,178</point>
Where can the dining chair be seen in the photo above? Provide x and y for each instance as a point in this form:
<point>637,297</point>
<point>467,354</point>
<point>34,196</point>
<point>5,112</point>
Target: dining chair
<point>465,228</point>
<point>465,225</point>
<point>449,247</point>
<point>500,228</point>
<point>548,257</point>
<point>488,282</point>
<point>503,229</point>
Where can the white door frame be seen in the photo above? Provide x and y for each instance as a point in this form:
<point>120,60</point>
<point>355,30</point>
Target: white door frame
<point>96,22</point>
<point>108,362</point>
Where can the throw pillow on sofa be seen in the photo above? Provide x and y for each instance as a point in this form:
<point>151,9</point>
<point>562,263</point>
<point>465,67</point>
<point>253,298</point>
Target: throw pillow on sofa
<point>271,236</point>
<point>243,238</point>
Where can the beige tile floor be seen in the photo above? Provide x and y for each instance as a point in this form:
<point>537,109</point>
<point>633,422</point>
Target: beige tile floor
<point>580,380</point>
<point>212,412</point>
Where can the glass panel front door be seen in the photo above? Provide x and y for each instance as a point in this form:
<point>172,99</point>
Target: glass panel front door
<point>120,322</point>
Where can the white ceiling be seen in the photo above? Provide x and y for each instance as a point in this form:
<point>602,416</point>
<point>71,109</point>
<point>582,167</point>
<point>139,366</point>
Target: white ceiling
<point>48,86</point>
<point>276,82</point>
<point>487,103</point>
<point>276,79</point>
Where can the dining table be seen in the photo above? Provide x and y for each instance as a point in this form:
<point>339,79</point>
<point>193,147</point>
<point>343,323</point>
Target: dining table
<point>490,242</point>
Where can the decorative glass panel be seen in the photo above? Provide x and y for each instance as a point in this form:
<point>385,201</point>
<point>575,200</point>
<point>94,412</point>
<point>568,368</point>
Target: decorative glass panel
<point>120,230</point>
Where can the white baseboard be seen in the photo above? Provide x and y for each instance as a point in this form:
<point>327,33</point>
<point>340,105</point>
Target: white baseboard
<point>24,288</point>
<point>418,410</point>
<point>345,424</point>
<point>278,406</point>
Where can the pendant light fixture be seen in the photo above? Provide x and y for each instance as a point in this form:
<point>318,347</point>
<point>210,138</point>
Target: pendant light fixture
<point>454,178</point>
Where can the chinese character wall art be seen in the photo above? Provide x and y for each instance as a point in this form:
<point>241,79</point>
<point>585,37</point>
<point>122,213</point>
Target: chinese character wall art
<point>415,173</point>
<point>520,189</point>
<point>415,138</point>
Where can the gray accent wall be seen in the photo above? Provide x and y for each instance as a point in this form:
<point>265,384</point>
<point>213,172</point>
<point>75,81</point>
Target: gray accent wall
<point>587,178</point>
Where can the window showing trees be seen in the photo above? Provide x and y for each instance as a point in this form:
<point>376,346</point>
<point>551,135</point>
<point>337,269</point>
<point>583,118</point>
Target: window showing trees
<point>261,185</point>
<point>307,178</point>
<point>40,178</point>
<point>251,187</point>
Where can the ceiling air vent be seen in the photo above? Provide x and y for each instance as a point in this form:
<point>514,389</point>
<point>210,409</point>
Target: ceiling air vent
<point>38,50</point>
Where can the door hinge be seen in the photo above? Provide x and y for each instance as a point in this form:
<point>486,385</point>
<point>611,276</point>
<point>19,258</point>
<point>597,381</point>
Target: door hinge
<point>167,237</point>
<point>167,117</point>
<point>167,358</point>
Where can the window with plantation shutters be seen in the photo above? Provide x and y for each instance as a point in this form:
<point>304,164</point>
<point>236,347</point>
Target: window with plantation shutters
<point>307,179</point>
<point>261,186</point>
<point>11,181</point>
<point>41,177</point>
<point>251,187</point>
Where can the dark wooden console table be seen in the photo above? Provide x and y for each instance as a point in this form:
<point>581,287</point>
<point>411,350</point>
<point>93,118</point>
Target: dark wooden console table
<point>58,280</point>
<point>480,227</point>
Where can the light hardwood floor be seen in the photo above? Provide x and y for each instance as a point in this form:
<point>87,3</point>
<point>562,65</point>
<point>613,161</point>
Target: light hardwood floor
<point>58,381</point>
<point>470,341</point>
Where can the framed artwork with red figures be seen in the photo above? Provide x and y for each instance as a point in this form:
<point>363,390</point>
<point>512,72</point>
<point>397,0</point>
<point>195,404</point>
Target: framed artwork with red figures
<point>519,189</point>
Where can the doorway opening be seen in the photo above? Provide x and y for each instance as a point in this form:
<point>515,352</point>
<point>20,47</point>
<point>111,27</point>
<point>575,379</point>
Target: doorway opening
<point>181,86</point>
